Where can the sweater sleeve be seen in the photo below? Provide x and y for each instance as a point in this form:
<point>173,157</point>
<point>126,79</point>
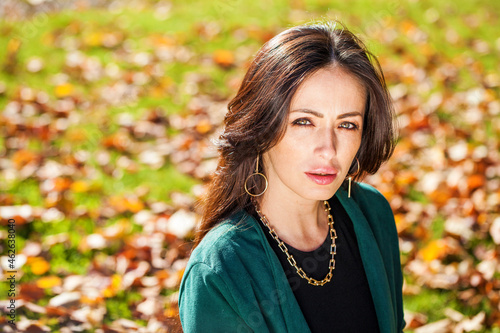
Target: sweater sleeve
<point>206,304</point>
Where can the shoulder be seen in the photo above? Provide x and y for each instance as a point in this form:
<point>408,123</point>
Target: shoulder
<point>227,258</point>
<point>377,211</point>
<point>366,191</point>
<point>227,243</point>
<point>369,198</point>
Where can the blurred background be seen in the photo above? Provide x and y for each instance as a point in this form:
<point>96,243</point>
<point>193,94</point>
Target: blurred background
<point>108,109</point>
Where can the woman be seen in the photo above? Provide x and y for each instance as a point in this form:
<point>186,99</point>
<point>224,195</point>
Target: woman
<point>288,242</point>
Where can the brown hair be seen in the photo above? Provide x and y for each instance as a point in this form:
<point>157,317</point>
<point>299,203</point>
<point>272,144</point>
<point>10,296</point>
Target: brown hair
<point>257,115</point>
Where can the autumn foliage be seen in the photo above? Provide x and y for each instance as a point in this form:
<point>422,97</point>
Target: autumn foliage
<point>107,117</point>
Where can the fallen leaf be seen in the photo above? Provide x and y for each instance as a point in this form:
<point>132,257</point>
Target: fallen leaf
<point>65,299</point>
<point>39,266</point>
<point>49,282</point>
<point>434,250</point>
<point>223,58</point>
<point>63,90</point>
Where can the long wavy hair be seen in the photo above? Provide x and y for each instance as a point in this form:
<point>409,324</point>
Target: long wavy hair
<point>257,116</point>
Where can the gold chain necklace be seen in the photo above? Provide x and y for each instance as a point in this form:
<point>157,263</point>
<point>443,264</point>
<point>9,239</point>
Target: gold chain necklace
<point>291,259</point>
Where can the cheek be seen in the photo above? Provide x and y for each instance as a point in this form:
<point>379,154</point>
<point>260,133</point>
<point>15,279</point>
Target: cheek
<point>348,150</point>
<point>283,155</point>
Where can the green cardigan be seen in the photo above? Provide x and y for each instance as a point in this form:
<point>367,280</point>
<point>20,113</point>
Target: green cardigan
<point>234,281</point>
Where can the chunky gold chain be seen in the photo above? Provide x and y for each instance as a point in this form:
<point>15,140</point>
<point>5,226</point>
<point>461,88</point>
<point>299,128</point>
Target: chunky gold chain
<point>291,259</point>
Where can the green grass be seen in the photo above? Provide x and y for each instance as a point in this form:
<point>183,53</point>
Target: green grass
<point>427,300</point>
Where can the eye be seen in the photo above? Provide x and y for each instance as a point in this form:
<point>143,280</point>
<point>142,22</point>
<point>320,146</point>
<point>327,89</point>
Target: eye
<point>302,122</point>
<point>349,126</point>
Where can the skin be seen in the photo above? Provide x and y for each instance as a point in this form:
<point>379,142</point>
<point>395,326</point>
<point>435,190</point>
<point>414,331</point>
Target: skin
<point>323,135</point>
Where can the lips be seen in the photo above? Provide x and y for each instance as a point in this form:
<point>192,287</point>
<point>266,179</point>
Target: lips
<point>322,176</point>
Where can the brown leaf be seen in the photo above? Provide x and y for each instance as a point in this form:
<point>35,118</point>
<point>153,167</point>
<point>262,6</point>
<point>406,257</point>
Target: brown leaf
<point>30,292</point>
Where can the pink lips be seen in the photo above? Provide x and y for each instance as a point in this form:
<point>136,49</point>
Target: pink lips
<point>322,176</point>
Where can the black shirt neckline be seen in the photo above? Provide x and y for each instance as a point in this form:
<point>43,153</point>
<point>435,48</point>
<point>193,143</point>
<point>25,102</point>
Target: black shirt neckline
<point>345,303</point>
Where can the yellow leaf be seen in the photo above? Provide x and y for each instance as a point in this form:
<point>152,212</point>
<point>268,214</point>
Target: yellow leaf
<point>113,287</point>
<point>116,281</point>
<point>39,266</point>
<point>401,223</point>
<point>79,186</point>
<point>64,90</point>
<point>94,39</point>
<point>76,135</point>
<point>108,292</point>
<point>434,250</point>
<point>48,282</point>
<point>13,45</point>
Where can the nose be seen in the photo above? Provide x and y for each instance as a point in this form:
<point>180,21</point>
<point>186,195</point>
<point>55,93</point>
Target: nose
<point>326,147</point>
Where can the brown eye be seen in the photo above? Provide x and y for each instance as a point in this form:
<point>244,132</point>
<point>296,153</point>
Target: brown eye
<point>349,126</point>
<point>302,122</point>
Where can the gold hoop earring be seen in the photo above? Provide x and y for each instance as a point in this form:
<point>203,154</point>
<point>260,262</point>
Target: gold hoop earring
<point>350,179</point>
<point>256,173</point>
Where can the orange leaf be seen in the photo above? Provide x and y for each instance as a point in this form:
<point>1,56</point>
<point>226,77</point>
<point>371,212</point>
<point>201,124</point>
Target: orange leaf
<point>475,181</point>
<point>162,275</point>
<point>407,26</point>
<point>159,40</point>
<point>48,282</point>
<point>224,58</point>
<point>22,157</point>
<point>170,313</point>
<point>203,126</point>
<point>118,203</point>
<point>39,266</point>
<point>441,196</point>
<point>118,140</point>
<point>61,184</point>
<point>92,301</point>
<point>134,205</point>
<point>405,177</point>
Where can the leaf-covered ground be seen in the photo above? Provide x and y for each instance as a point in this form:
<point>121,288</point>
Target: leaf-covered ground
<point>106,115</point>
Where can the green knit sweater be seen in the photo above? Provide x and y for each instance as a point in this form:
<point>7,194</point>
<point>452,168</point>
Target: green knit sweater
<point>234,281</point>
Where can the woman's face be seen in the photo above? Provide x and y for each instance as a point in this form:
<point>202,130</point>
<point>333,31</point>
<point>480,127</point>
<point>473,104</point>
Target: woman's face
<point>323,134</point>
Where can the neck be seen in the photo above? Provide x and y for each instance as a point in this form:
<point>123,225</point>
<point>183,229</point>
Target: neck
<point>302,224</point>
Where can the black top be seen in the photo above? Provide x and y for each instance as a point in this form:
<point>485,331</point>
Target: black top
<point>344,304</point>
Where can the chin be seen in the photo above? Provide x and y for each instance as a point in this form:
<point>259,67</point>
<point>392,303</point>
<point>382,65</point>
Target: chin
<point>322,194</point>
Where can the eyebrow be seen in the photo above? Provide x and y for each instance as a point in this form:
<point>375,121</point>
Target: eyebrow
<point>320,115</point>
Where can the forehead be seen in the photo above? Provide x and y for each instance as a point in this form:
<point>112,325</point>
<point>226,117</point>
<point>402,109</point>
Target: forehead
<point>330,87</point>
